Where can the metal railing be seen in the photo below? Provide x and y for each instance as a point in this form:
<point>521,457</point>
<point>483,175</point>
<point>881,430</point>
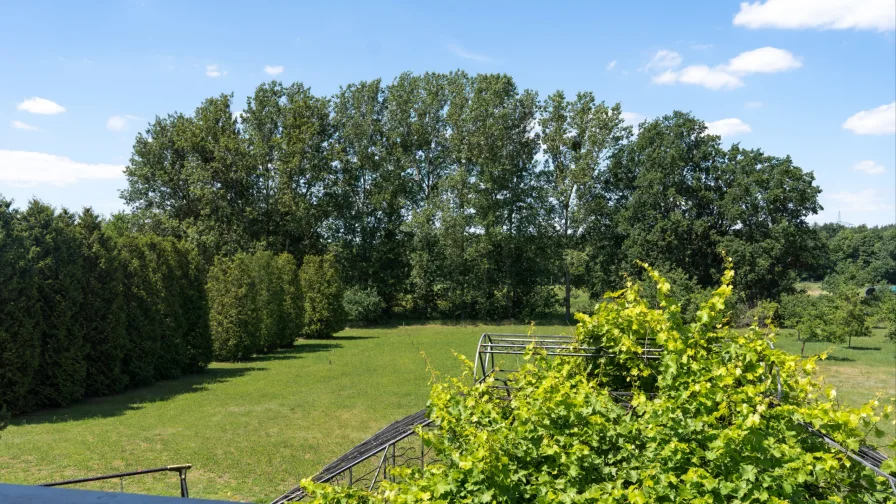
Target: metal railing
<point>181,469</point>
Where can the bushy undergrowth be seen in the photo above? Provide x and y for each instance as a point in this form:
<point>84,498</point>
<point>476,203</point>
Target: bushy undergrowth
<point>705,422</point>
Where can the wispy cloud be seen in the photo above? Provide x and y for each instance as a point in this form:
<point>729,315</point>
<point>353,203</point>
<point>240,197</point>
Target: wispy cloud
<point>754,104</point>
<point>463,53</point>
<point>273,70</point>
<point>664,58</point>
<point>120,122</point>
<point>24,126</point>
<point>866,200</point>
<point>869,167</point>
<point>30,168</point>
<point>214,71</point>
<point>611,64</point>
<point>41,106</point>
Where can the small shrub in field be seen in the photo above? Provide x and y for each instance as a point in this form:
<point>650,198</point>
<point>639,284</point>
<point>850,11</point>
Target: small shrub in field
<point>704,422</point>
<point>323,291</point>
<point>233,314</point>
<point>363,305</point>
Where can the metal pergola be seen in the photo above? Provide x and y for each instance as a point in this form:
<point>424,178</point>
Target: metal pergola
<point>371,462</point>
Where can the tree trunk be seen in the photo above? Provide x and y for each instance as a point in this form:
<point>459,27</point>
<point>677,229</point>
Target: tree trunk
<point>565,263</point>
<point>803,349</point>
<point>567,294</point>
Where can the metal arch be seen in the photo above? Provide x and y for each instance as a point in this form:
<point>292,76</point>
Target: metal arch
<point>384,443</point>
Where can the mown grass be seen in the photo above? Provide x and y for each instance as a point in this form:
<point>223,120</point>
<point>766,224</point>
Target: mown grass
<point>253,429</point>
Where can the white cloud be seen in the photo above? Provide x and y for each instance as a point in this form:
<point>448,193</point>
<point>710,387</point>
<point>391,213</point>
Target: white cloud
<point>24,126</point>
<point>664,58</point>
<point>877,121</point>
<point>728,76</point>
<point>273,70</point>
<point>728,127</point>
<point>43,106</point>
<point>763,60</point>
<point>632,118</point>
<point>611,64</point>
<point>700,75</point>
<point>237,115</point>
<point>29,168</point>
<point>867,200</point>
<point>702,47</point>
<point>214,71</point>
<point>877,15</point>
<point>120,123</point>
<point>869,167</point>
<point>754,104</point>
<point>463,53</point>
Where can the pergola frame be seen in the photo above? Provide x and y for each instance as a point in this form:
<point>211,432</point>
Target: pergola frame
<point>382,450</point>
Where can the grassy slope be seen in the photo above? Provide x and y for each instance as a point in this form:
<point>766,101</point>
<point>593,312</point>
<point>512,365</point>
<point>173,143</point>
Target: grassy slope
<point>253,429</point>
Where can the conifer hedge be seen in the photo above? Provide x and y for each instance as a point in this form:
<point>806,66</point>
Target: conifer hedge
<point>86,310</point>
<point>255,304</point>
<point>324,311</point>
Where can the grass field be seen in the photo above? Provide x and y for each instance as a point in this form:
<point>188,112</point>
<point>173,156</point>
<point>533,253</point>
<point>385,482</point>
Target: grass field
<point>254,429</point>
<point>251,430</point>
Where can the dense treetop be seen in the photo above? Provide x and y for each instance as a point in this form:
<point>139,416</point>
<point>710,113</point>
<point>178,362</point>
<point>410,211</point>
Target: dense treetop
<point>461,195</point>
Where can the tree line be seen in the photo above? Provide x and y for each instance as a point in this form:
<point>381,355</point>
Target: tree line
<point>91,307</point>
<point>461,196</point>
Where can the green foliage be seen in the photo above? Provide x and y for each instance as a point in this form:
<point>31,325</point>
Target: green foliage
<point>293,300</point>
<point>234,317</point>
<point>851,318</point>
<point>56,254</point>
<point>464,196</point>
<point>255,304</point>
<point>363,305</point>
<point>141,300</point>
<point>19,336</point>
<point>705,423</point>
<point>323,292</point>
<point>102,308</point>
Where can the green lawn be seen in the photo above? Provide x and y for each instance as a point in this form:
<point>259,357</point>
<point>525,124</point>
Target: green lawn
<point>253,429</point>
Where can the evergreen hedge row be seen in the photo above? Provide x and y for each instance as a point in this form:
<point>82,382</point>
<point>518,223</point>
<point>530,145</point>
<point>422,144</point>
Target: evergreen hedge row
<point>256,304</point>
<point>87,310</point>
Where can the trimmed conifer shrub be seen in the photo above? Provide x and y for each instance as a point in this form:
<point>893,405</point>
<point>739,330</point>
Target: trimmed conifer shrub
<point>323,291</point>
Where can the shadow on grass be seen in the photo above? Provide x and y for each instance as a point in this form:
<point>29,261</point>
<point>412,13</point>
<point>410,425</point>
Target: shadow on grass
<point>837,358</point>
<point>136,399</point>
<point>863,348</point>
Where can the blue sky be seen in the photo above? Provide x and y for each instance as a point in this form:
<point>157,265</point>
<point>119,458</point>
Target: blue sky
<point>80,79</point>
